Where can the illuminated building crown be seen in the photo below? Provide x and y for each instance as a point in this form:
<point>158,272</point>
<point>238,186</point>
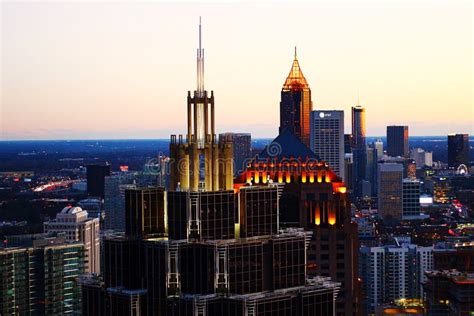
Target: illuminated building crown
<point>295,80</point>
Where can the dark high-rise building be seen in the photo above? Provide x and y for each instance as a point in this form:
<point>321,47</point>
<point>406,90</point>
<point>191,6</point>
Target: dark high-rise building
<point>201,215</point>
<point>348,143</point>
<point>460,258</point>
<point>458,150</point>
<point>96,179</point>
<point>371,171</point>
<point>258,211</point>
<point>390,190</point>
<point>359,152</point>
<point>123,263</point>
<point>145,212</point>
<point>204,267</point>
<point>314,198</point>
<point>93,295</point>
<point>123,302</point>
<point>449,292</point>
<point>358,126</point>
<point>296,104</point>
<point>242,143</point>
<point>39,277</point>
<point>397,141</point>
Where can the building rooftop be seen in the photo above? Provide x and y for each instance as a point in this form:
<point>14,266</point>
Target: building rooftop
<point>287,145</point>
<point>295,80</point>
<point>71,210</point>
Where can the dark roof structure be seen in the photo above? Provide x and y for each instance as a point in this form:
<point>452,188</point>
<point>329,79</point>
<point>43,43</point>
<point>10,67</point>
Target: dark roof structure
<point>287,145</point>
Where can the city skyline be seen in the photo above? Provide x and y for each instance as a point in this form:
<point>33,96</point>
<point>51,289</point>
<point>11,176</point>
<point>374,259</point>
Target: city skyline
<point>60,83</point>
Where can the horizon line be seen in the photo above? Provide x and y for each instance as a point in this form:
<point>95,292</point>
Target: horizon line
<point>167,139</point>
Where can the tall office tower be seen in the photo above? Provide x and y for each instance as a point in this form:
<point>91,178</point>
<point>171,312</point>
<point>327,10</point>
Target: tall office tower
<point>39,277</point>
<point>242,143</point>
<point>74,222</point>
<point>411,198</point>
<point>371,171</point>
<point>390,202</point>
<point>397,141</point>
<point>393,272</point>
<point>358,149</point>
<point>327,139</point>
<point>296,104</point>
<point>200,148</point>
<point>422,158</point>
<point>114,200</point>
<point>315,198</point>
<point>458,150</point>
<point>358,126</point>
<point>378,145</point>
<point>95,179</point>
<point>348,142</point>
<point>145,212</point>
<point>348,170</point>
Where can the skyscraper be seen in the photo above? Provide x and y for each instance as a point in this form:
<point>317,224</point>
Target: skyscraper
<point>371,171</point>
<point>96,179</point>
<point>393,272</point>
<point>348,143</point>
<point>390,176</point>
<point>145,212</point>
<point>358,126</point>
<point>378,145</point>
<point>242,143</point>
<point>114,200</point>
<point>458,150</point>
<point>422,158</point>
<point>39,277</point>
<point>296,104</point>
<point>411,198</point>
<point>397,141</point>
<point>200,151</point>
<point>327,139</point>
<point>74,222</point>
<point>315,198</point>
<point>204,267</point>
<point>359,149</point>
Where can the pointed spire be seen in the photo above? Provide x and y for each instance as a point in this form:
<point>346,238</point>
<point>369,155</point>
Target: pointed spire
<point>295,79</point>
<point>200,65</point>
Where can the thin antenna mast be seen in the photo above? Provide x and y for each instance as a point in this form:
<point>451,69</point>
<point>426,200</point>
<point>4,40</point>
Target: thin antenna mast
<point>200,64</point>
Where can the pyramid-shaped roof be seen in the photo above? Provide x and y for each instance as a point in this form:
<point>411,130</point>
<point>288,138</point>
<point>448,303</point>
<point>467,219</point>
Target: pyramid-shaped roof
<point>287,145</point>
<point>295,80</point>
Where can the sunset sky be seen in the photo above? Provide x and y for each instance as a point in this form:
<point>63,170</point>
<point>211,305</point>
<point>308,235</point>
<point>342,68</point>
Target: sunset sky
<point>93,70</point>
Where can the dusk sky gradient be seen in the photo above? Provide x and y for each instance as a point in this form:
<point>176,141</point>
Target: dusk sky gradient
<point>93,70</point>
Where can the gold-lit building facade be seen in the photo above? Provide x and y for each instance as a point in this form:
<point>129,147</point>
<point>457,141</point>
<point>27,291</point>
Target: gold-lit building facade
<point>296,104</point>
<point>199,161</point>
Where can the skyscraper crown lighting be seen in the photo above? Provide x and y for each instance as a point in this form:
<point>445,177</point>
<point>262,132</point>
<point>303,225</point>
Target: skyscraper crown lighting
<point>295,80</point>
